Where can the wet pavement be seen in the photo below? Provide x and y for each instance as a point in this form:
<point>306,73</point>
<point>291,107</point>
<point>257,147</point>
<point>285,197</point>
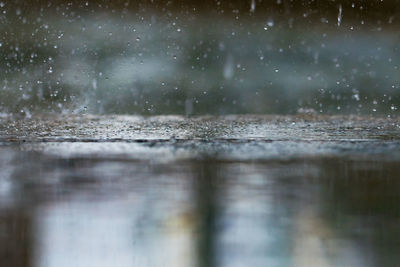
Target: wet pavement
<point>206,191</point>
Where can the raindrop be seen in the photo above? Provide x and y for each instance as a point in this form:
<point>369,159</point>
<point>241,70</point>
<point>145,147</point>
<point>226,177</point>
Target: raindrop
<point>253,6</point>
<point>94,84</point>
<point>229,68</point>
<point>340,15</point>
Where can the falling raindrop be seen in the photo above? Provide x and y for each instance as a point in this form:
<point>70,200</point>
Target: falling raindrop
<point>270,23</point>
<point>340,15</point>
<point>253,6</point>
<point>356,97</point>
<point>94,84</point>
<point>229,68</point>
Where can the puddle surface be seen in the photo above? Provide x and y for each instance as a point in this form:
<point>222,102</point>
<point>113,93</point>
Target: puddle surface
<point>171,191</point>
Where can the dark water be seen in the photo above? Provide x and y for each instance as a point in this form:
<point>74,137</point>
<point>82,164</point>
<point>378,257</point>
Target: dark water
<point>313,200</point>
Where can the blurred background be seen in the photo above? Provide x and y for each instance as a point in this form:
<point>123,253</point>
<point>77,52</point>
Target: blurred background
<point>199,57</point>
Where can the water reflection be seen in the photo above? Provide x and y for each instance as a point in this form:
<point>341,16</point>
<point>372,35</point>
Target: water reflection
<point>206,212</point>
<point>16,237</point>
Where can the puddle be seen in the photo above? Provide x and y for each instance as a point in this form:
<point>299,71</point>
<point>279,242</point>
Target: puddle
<point>255,191</point>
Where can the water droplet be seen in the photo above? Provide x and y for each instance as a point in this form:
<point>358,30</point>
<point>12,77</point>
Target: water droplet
<point>94,84</point>
<point>252,6</point>
<point>229,68</point>
<point>340,15</point>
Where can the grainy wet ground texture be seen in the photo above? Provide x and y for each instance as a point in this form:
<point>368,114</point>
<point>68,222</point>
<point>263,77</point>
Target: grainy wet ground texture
<point>205,191</point>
